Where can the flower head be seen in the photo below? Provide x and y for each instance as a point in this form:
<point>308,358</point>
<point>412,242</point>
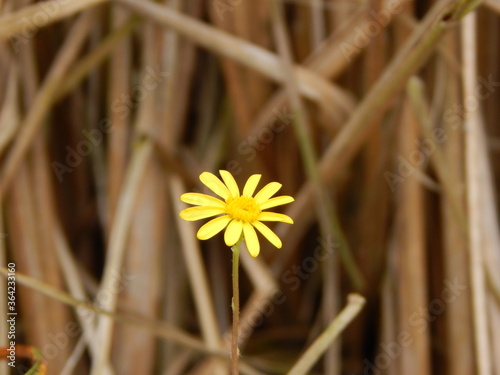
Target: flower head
<point>240,213</point>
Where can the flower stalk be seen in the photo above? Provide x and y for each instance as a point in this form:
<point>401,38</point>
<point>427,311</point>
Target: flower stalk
<point>242,214</point>
<point>236,308</point>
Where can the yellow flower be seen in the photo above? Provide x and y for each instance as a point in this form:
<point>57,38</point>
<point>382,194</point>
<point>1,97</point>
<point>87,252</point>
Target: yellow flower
<point>241,214</point>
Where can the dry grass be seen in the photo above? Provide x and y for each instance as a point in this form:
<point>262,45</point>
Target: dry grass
<point>379,120</point>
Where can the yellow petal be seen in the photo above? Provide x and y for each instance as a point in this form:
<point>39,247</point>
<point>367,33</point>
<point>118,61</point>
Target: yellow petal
<point>251,239</point>
<point>268,233</point>
<point>272,216</point>
<point>213,183</point>
<point>230,183</point>
<point>202,200</point>
<point>197,213</point>
<point>233,232</point>
<point>276,201</point>
<point>251,185</point>
<point>213,227</point>
<point>267,192</point>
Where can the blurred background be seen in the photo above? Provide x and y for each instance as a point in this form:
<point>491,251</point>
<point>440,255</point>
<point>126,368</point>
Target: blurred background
<point>379,117</point>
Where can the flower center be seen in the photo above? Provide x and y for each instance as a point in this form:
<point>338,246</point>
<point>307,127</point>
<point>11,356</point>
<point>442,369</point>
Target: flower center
<point>242,208</point>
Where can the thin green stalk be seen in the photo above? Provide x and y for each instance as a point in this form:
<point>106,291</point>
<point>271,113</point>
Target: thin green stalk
<point>328,219</point>
<point>39,367</point>
<point>236,308</point>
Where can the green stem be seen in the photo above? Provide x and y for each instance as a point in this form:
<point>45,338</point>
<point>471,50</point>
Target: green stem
<point>327,217</point>
<point>236,308</point>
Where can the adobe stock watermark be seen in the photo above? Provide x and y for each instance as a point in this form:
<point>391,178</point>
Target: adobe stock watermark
<point>364,35</point>
<point>119,283</point>
<point>419,157</point>
<point>420,321</point>
<point>60,340</point>
<point>48,9</point>
<point>121,106</point>
<point>291,278</point>
<point>223,6</point>
<point>254,143</point>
